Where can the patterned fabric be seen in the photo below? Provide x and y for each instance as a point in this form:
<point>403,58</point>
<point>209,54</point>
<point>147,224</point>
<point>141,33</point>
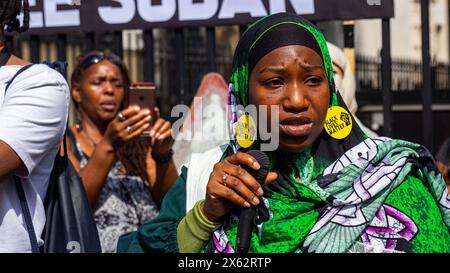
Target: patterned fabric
<point>124,204</point>
<point>321,206</point>
<point>346,208</point>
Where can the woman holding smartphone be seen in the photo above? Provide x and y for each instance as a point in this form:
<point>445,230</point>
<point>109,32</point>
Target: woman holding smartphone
<point>125,175</point>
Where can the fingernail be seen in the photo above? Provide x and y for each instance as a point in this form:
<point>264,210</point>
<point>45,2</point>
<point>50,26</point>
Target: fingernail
<point>137,108</point>
<point>157,136</point>
<point>152,133</point>
<point>260,192</point>
<point>246,204</point>
<point>146,112</point>
<point>149,118</point>
<point>146,125</point>
<point>255,201</point>
<point>256,165</point>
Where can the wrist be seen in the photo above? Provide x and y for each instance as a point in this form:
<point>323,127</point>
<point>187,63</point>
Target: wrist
<point>208,216</point>
<point>106,146</point>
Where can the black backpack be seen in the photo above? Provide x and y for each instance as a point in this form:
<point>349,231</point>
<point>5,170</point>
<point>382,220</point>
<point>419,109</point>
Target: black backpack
<point>70,225</point>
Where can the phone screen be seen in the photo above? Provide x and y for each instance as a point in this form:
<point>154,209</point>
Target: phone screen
<point>142,94</point>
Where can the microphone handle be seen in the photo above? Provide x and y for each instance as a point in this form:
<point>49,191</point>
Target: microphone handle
<point>247,217</point>
<point>245,228</point>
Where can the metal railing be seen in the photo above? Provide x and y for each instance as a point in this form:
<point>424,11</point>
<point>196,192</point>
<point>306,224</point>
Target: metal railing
<point>406,75</point>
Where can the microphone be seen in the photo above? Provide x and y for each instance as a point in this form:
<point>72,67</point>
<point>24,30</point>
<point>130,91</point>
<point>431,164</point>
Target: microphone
<point>250,217</point>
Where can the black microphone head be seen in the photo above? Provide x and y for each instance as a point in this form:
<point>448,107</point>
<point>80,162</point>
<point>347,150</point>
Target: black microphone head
<point>263,160</point>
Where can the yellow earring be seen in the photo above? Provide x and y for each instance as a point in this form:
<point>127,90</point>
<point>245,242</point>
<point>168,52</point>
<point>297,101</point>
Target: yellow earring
<point>338,122</point>
<point>245,130</point>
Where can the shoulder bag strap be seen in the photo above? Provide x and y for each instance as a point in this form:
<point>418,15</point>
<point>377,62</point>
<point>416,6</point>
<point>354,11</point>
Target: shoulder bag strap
<point>26,215</point>
<point>73,144</point>
<point>17,74</point>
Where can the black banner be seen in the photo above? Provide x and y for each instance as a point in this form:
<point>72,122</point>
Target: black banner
<point>60,16</point>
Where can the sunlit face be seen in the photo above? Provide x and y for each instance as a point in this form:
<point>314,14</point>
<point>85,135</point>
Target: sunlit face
<point>100,91</point>
<point>292,77</point>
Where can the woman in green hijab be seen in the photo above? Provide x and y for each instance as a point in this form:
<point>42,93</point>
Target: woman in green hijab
<point>330,188</point>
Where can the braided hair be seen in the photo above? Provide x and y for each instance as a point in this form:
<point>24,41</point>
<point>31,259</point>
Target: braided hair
<point>10,10</point>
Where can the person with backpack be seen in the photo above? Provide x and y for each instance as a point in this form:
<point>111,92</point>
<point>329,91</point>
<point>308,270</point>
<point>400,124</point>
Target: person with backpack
<point>34,101</point>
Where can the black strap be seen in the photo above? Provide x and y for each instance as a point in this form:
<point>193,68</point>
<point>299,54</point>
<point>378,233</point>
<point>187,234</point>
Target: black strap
<point>73,144</point>
<point>27,215</point>
<point>17,74</point>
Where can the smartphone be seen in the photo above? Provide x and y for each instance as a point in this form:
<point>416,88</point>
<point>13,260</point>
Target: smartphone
<point>142,94</point>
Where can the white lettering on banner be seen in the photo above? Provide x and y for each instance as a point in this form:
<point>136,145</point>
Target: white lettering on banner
<point>277,6</point>
<point>231,7</point>
<point>118,15</point>
<point>300,6</point>
<point>188,10</point>
<point>303,6</point>
<point>59,18</point>
<point>36,17</point>
<point>162,11</point>
<point>157,13</point>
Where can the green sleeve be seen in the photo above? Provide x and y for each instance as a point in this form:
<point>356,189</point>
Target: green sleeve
<point>195,230</point>
<point>160,233</point>
<point>414,199</point>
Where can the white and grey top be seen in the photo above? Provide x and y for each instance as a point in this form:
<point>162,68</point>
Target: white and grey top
<point>124,204</point>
